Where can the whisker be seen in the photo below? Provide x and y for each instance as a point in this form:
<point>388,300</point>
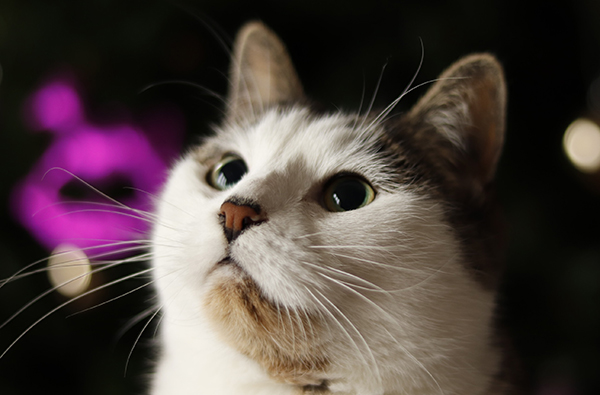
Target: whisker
<point>135,320</point>
<point>48,291</point>
<point>360,335</point>
<point>66,304</point>
<point>309,321</point>
<point>108,243</point>
<point>385,265</point>
<point>392,105</point>
<point>289,316</point>
<point>438,270</point>
<point>140,212</point>
<point>159,321</point>
<point>66,264</point>
<point>374,95</point>
<point>416,361</point>
<point>308,235</point>
<point>370,286</point>
<point>362,100</point>
<point>93,210</point>
<point>17,275</point>
<point>213,28</point>
<point>300,324</point>
<point>201,88</point>
<point>404,92</point>
<point>142,215</point>
<point>156,197</point>
<point>364,297</point>
<point>354,328</point>
<point>338,323</point>
<point>117,252</point>
<point>362,247</point>
<point>112,299</point>
<point>137,340</point>
<point>87,184</point>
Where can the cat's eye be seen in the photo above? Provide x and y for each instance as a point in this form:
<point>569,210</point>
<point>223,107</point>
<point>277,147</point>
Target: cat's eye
<point>347,192</point>
<point>228,172</point>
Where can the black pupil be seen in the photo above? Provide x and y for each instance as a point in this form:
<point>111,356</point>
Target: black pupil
<point>231,172</point>
<point>349,194</point>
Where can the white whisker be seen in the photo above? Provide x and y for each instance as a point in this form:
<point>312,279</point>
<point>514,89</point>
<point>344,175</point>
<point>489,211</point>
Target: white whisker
<point>201,88</point>
<point>339,324</point>
<point>362,100</point>
<point>309,235</point>
<point>374,96</point>
<point>141,213</point>
<point>163,201</point>
<point>369,286</point>
<point>364,297</point>
<point>137,340</point>
<point>416,361</point>
<point>47,292</point>
<point>19,274</point>
<point>370,261</point>
<point>404,93</point>
<point>94,210</point>
<point>118,203</point>
<point>112,299</point>
<point>373,363</point>
<point>66,304</point>
<point>135,320</point>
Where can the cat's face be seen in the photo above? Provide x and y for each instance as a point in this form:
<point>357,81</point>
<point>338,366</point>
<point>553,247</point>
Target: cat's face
<point>325,248</point>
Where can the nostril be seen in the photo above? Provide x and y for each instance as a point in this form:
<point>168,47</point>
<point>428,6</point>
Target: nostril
<point>247,222</point>
<point>238,217</point>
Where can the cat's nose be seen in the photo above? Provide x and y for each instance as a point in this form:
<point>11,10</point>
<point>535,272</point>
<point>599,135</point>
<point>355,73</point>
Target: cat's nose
<point>238,217</point>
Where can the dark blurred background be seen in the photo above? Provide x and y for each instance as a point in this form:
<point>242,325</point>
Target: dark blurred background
<point>114,49</point>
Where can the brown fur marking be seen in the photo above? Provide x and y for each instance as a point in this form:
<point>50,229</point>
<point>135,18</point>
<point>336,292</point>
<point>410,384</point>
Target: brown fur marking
<point>286,344</point>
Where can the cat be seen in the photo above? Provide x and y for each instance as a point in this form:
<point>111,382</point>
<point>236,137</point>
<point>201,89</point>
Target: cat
<point>298,251</point>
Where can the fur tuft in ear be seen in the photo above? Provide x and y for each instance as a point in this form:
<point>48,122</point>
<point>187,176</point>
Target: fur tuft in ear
<point>262,74</point>
<point>467,107</point>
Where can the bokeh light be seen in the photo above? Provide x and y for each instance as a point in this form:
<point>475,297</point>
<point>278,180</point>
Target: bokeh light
<point>55,107</point>
<point>69,270</point>
<point>581,143</point>
<point>69,194</point>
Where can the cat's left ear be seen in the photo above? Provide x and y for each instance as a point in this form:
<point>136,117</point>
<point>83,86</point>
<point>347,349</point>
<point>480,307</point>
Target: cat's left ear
<point>467,107</point>
<point>262,74</point>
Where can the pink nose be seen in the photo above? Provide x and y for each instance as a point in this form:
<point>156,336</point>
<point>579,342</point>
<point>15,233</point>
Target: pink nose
<point>237,218</point>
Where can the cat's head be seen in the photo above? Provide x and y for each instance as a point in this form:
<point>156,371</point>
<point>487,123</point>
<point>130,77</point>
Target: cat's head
<point>339,250</point>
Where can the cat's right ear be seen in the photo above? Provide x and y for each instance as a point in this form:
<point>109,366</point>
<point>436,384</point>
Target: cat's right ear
<point>262,74</point>
<point>467,109</point>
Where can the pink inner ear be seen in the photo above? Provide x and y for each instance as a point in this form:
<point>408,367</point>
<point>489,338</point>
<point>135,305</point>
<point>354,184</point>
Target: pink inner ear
<point>55,107</point>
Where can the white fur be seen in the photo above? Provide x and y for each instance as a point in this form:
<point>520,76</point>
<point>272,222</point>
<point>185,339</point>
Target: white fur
<point>409,319</point>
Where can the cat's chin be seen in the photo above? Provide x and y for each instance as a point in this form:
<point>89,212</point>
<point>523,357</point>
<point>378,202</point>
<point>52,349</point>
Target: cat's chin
<point>284,342</point>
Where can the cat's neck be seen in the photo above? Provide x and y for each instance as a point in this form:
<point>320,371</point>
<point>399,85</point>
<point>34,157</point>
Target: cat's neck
<point>195,361</point>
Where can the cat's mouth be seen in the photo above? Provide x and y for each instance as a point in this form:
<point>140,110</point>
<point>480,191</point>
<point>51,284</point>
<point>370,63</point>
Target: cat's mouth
<point>229,268</point>
<point>230,262</point>
<point>227,261</point>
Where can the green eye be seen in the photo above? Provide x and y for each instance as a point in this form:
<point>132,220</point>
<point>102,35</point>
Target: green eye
<point>228,172</point>
<point>348,193</point>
